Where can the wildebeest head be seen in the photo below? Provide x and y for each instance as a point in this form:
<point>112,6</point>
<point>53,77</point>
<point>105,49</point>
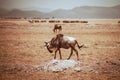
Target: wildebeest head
<point>47,44</point>
<point>54,43</point>
<point>50,47</point>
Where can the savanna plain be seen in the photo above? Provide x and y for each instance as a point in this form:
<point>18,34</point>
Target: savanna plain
<point>22,50</point>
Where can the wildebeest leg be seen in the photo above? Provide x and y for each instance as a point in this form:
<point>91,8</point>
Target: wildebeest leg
<point>60,54</point>
<point>70,53</point>
<point>76,53</point>
<point>55,54</point>
<point>59,30</point>
<point>55,30</point>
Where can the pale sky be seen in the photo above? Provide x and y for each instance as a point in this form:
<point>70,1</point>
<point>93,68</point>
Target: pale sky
<point>55,4</point>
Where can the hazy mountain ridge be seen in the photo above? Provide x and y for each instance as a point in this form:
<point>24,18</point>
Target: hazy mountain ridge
<point>21,13</point>
<point>77,12</point>
<point>45,10</point>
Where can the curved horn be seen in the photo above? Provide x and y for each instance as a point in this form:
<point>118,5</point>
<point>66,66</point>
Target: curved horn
<point>48,47</point>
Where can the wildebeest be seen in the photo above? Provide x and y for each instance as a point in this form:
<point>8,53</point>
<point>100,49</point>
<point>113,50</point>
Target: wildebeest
<point>54,21</point>
<point>30,21</point>
<point>61,41</point>
<point>57,28</point>
<point>118,21</point>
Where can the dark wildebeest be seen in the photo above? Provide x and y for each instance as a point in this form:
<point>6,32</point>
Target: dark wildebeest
<point>57,27</point>
<point>61,41</point>
<point>30,21</point>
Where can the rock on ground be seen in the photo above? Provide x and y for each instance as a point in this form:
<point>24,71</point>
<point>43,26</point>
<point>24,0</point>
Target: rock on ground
<point>61,65</point>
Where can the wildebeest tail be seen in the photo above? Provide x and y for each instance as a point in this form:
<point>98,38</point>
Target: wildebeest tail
<point>79,46</point>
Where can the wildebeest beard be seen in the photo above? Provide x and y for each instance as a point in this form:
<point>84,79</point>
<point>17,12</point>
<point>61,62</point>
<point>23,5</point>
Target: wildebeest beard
<point>49,49</point>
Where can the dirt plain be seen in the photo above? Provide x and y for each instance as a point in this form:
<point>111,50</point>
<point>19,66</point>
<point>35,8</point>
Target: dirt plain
<point>22,50</point>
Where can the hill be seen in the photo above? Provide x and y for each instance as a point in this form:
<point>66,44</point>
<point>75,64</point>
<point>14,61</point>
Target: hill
<point>77,12</point>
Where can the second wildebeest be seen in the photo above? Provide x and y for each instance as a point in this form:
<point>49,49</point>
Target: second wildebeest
<point>61,41</point>
<point>57,28</point>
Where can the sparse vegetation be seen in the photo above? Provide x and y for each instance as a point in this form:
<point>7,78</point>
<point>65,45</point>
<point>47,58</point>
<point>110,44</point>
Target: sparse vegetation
<point>22,49</point>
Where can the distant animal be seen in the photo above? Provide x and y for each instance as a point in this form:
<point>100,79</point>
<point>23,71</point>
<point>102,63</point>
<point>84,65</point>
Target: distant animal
<point>61,41</point>
<point>118,21</point>
<point>30,21</point>
<point>36,21</point>
<point>57,28</point>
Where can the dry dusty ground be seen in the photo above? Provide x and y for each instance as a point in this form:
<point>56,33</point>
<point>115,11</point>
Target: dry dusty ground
<point>22,50</point>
